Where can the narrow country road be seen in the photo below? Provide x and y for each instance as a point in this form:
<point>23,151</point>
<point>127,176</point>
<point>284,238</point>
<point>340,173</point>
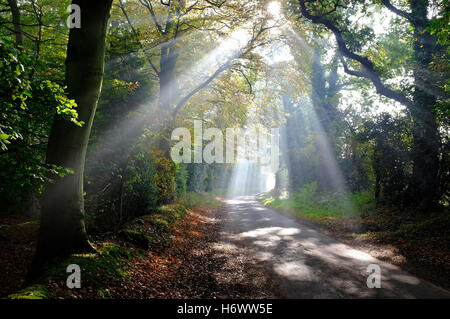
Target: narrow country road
<point>309,264</point>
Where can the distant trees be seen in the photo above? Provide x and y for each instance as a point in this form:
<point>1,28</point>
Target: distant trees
<point>325,99</point>
<point>298,149</point>
<point>390,160</point>
<point>166,44</point>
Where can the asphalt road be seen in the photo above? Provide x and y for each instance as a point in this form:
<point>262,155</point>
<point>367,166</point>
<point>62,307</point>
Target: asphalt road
<point>309,264</point>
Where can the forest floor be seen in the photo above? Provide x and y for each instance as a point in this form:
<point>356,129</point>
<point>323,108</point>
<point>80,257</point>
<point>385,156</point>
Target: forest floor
<point>186,260</point>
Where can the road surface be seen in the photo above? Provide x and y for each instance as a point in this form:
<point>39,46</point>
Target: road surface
<point>309,264</point>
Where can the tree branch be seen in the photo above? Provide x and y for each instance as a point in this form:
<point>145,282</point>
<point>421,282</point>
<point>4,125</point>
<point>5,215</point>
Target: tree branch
<point>368,70</point>
<point>148,5</point>
<point>246,79</point>
<point>404,14</point>
<point>122,8</point>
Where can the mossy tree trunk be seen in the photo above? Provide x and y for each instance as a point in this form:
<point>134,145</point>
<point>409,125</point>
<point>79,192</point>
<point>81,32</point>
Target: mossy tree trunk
<point>62,229</point>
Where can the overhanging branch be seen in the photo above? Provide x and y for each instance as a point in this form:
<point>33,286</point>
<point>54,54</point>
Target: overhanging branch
<point>368,70</point>
<point>404,14</point>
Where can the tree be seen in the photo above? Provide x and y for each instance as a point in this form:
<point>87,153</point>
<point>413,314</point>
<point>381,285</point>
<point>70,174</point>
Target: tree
<point>62,228</point>
<point>423,186</point>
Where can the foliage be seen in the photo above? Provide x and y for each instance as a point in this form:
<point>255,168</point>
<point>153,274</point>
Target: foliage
<point>391,163</point>
<point>19,84</point>
<point>32,292</point>
<point>28,105</point>
<point>181,175</point>
<point>440,25</point>
<point>140,189</point>
<point>196,178</point>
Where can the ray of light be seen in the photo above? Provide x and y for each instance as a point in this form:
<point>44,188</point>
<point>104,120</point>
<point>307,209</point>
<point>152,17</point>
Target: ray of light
<point>134,124</point>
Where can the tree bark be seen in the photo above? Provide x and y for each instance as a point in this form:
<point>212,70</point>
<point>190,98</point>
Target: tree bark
<point>15,12</point>
<point>62,229</point>
<point>323,91</point>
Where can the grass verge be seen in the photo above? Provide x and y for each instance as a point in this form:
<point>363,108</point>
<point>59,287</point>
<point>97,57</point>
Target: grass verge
<point>416,242</point>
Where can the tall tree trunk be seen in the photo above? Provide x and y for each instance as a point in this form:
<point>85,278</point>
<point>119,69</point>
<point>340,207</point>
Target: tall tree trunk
<point>319,91</point>
<point>166,95</point>
<point>321,97</point>
<point>62,229</point>
<point>425,155</point>
<point>16,21</point>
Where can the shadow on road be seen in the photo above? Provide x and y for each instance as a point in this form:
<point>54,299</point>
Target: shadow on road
<point>309,264</point>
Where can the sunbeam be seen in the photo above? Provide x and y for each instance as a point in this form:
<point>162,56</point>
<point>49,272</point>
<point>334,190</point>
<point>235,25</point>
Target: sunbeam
<point>220,149</point>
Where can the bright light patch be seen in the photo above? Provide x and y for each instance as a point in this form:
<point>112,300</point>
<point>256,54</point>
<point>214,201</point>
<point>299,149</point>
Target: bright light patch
<point>358,255</point>
<point>275,9</point>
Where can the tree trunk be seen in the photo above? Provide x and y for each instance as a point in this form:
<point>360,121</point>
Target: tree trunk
<point>319,94</point>
<point>168,62</point>
<point>62,229</point>
<point>425,154</point>
<point>16,21</point>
